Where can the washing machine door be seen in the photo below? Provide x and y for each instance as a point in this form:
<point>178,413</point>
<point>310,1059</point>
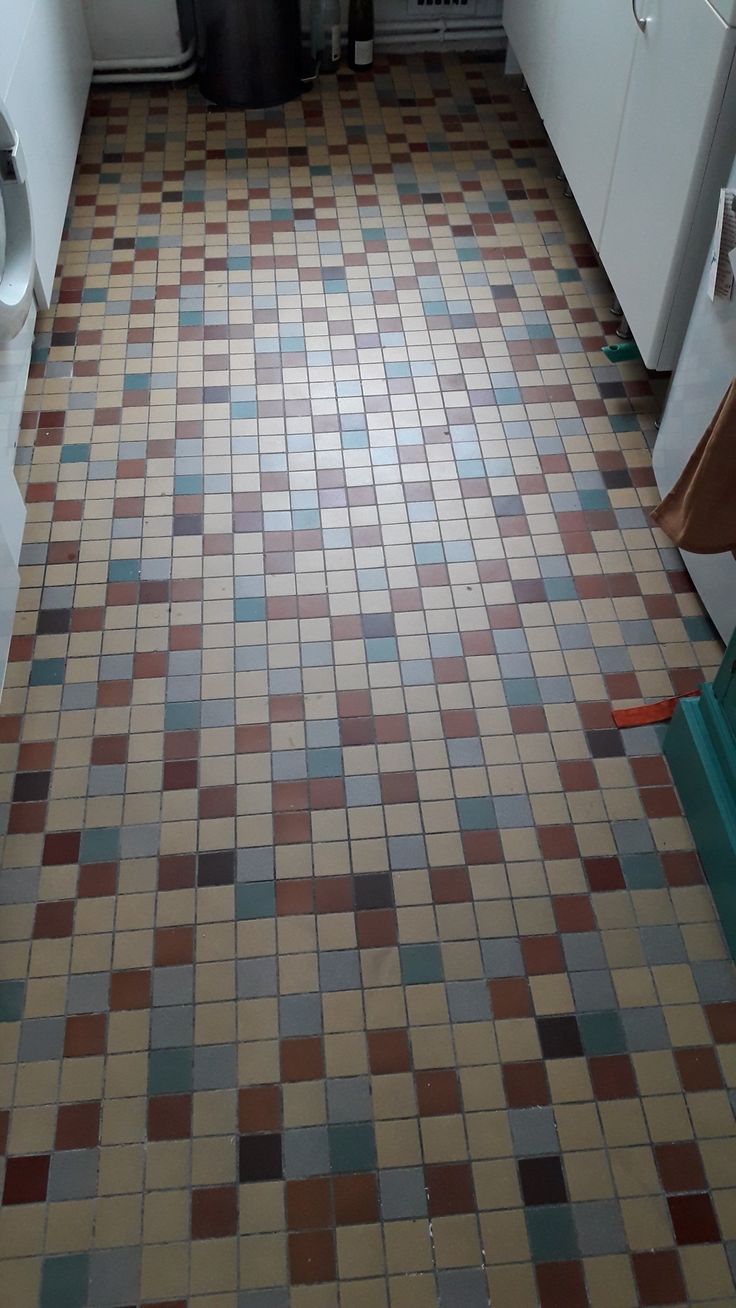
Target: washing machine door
<point>16,236</point>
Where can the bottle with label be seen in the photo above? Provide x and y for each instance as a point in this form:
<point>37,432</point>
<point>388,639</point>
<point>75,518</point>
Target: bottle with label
<point>360,35</point>
<point>331,36</point>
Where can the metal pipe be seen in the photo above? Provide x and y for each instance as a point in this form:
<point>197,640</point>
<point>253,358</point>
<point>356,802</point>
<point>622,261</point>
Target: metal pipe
<point>177,68</point>
<point>146,61</point>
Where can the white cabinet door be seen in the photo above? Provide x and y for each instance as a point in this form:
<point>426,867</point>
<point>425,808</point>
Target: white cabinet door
<point>681,64</point>
<point>46,99</point>
<point>591,53</point>
<point>529,25</point>
<point>14,357</point>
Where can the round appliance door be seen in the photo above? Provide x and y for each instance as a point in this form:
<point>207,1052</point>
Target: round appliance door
<point>16,236</point>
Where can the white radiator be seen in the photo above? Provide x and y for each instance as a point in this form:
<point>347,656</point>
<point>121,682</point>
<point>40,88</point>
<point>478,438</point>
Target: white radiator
<point>137,36</point>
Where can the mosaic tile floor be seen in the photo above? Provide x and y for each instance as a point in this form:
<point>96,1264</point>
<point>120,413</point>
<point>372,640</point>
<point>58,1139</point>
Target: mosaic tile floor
<point>350,956</point>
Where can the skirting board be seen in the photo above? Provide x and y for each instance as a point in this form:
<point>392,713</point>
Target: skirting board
<point>701,752</point>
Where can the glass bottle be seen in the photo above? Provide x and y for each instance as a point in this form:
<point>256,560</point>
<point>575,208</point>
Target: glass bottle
<point>360,35</point>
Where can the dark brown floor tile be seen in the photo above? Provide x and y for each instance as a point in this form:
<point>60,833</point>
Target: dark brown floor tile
<point>173,946</point>
<point>108,750</point>
<point>376,929</point>
<point>27,819</point>
<point>78,1125</point>
<point>510,997</point>
<point>217,802</point>
<point>294,898</point>
<point>259,1108</point>
<point>659,1278</point>
<point>699,1068</point>
<point>613,1077</point>
<point>302,1059</point>
<point>311,1257</point>
<point>388,1052</point>
<point>26,1179</point>
<point>399,787</point>
<point>54,920</point>
<point>97,881</point>
<point>177,871</point>
<point>450,885</point>
<point>604,874</point>
<point>291,828</point>
<point>693,1219</point>
<point>680,1167</point>
<point>309,1204</point>
<point>169,1117</point>
<point>214,1212</point>
<point>449,1188</point>
<point>355,1199</point>
<point>334,895</point>
<point>561,1285</point>
<point>542,954</point>
<point>438,1092</point>
<point>574,913</point>
<point>525,1084</point>
<point>84,1035</point>
<point>722,1022</point>
<point>130,990</point>
<point>482,847</point>
<point>327,792</point>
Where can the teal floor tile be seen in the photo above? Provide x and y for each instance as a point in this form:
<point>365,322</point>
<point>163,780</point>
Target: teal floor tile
<point>352,1147</point>
<point>551,1231</point>
<point>255,899</point>
<point>420,964</point>
<point>64,1281</point>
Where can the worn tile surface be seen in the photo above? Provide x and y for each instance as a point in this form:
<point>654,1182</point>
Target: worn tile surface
<point>350,956</point>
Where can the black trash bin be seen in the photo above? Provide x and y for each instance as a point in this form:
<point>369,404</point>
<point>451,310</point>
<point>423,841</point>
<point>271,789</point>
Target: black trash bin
<point>249,51</point>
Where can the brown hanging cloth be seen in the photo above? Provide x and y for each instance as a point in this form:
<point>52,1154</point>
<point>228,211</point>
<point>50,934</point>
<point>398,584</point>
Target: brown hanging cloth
<point>699,513</point>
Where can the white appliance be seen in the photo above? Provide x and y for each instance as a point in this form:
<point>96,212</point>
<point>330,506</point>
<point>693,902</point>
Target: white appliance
<point>639,100</point>
<point>17,318</point>
<point>706,368</point>
<point>45,70</point>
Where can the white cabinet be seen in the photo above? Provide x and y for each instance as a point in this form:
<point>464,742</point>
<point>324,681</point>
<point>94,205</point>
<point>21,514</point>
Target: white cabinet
<point>529,24</point>
<point>591,51</point>
<point>47,96</point>
<point>668,135</point>
<point>639,100</point>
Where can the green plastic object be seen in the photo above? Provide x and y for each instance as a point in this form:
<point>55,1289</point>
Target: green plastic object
<point>700,747</point>
<point>622,353</point>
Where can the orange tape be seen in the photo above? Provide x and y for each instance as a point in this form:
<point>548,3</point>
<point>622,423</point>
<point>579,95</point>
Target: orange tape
<point>643,715</point>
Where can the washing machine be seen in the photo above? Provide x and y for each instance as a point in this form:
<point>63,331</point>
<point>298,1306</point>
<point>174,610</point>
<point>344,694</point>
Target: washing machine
<point>45,70</point>
<point>17,318</point>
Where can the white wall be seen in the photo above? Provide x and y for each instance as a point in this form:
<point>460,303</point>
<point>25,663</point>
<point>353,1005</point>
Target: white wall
<point>387,10</point>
